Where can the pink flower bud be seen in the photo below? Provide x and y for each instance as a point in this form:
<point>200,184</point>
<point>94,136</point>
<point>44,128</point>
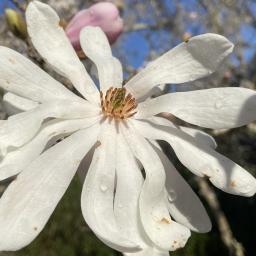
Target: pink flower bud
<point>104,15</point>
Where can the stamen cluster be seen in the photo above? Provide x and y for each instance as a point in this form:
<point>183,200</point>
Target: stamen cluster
<point>117,104</point>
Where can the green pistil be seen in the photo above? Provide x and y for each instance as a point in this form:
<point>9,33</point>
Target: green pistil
<point>118,98</point>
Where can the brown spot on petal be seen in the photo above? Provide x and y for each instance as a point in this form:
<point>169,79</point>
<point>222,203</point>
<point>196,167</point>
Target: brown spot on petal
<point>80,54</point>
<point>35,228</point>
<point>166,221</point>
<point>232,184</point>
<point>174,244</point>
<point>7,81</point>
<point>12,61</point>
<point>63,23</point>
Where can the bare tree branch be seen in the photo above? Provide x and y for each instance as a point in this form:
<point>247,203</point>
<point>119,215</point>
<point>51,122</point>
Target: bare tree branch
<point>234,247</point>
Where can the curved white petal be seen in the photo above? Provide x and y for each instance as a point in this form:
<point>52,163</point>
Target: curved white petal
<point>98,193</point>
<point>21,76</point>
<point>20,128</point>
<point>14,104</point>
<point>28,202</point>
<point>129,182</point>
<point>203,160</point>
<point>200,136</point>
<point>191,60</point>
<point>215,108</point>
<point>17,160</point>
<point>163,232</point>
<point>184,205</point>
<point>51,42</point>
<point>150,251</point>
<point>96,47</point>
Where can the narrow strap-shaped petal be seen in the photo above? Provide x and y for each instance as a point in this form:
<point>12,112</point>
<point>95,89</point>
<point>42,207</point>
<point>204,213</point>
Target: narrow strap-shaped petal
<point>215,108</point>
<point>16,161</point>
<point>21,76</point>
<point>96,46</point>
<point>200,136</point>
<point>14,104</point>
<point>129,182</point>
<point>165,233</point>
<point>20,128</point>
<point>197,58</point>
<point>98,193</point>
<point>29,201</point>
<point>202,160</point>
<point>184,205</point>
<point>51,42</point>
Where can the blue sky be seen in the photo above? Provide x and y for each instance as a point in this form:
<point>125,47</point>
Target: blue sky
<point>4,4</point>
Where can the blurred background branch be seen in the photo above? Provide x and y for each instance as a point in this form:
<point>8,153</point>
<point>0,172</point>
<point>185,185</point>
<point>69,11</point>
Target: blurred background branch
<point>234,247</point>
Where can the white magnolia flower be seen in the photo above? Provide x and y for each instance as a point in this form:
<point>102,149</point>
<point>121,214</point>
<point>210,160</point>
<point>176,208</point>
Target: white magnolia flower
<point>127,210</point>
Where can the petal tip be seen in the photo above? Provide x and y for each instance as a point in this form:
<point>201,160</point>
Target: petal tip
<point>38,8</point>
<point>205,227</point>
<point>181,242</point>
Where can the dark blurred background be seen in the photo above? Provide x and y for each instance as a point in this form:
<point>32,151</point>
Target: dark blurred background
<point>151,27</point>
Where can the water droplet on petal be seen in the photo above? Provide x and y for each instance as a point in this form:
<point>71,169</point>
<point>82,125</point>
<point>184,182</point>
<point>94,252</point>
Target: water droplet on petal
<point>218,104</point>
<point>103,188</point>
<point>172,195</point>
<point>190,78</point>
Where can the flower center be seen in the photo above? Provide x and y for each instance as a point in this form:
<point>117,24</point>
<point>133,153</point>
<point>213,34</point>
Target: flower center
<point>117,104</point>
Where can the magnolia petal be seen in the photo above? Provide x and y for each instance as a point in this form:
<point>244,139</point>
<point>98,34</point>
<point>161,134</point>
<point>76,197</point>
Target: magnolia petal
<point>29,201</point>
<point>22,77</point>
<point>197,58</point>
<point>20,128</point>
<point>154,92</point>
<point>14,104</point>
<point>96,47</point>
<point>51,42</point>
<point>150,251</point>
<point>162,231</point>
<point>216,108</point>
<point>203,160</point>
<point>200,136</point>
<point>98,193</point>
<point>128,186</point>
<point>17,160</point>
<point>184,205</point>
